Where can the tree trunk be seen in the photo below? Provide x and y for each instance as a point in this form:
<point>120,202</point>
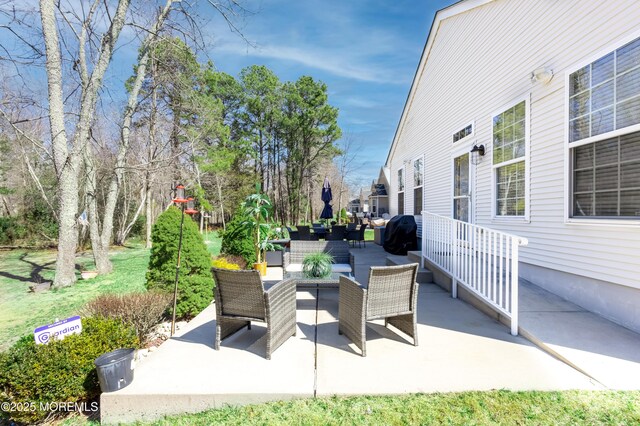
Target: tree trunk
<point>67,191</point>
<point>148,212</point>
<point>67,228</point>
<point>68,164</point>
<point>100,254</point>
<point>119,169</point>
<point>224,226</point>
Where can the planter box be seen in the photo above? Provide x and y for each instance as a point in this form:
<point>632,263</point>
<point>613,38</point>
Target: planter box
<point>378,235</point>
<point>274,258</point>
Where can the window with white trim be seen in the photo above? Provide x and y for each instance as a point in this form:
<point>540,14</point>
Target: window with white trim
<point>604,100</point>
<point>463,133</point>
<point>417,186</point>
<point>509,161</point>
<point>400,191</point>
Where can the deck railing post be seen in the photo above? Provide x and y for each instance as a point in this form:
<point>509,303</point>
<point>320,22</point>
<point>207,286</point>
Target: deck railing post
<point>514,286</point>
<point>454,259</point>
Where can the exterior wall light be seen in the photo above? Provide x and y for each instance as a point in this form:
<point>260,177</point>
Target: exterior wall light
<point>542,75</point>
<point>477,152</point>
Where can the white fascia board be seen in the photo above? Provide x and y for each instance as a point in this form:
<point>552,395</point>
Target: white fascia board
<point>455,9</point>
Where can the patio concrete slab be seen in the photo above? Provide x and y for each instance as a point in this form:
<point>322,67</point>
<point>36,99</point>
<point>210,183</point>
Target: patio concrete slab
<point>600,348</point>
<point>186,374</point>
<point>459,349</point>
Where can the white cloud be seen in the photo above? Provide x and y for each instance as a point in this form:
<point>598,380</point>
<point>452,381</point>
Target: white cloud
<point>342,64</point>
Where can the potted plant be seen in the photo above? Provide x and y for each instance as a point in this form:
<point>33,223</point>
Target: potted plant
<point>257,207</point>
<point>317,265</point>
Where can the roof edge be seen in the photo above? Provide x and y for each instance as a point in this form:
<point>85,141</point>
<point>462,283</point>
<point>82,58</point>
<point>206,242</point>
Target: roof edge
<point>442,14</point>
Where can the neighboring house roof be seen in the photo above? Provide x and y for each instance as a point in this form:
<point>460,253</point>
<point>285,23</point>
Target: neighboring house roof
<point>449,11</point>
<point>379,189</point>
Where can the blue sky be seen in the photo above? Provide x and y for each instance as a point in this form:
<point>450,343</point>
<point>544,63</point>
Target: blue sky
<point>366,51</point>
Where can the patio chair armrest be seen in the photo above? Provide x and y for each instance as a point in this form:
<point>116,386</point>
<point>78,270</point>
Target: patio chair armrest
<point>286,258</point>
<point>281,303</point>
<point>281,296</point>
<point>352,262</point>
<point>351,295</point>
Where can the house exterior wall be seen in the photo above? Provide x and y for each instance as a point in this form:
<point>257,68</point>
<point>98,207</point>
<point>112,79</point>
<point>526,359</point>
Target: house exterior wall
<point>479,62</point>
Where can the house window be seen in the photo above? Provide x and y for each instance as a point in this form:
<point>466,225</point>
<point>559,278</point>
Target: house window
<point>605,95</point>
<point>401,191</point>
<point>461,188</point>
<point>509,162</point>
<point>606,178</point>
<point>417,186</point>
<point>604,100</point>
<point>461,134</point>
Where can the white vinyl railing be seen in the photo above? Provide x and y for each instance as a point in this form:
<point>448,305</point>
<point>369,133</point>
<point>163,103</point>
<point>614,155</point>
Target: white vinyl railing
<point>483,260</point>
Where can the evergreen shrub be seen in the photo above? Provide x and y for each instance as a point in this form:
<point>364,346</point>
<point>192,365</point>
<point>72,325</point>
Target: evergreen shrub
<point>195,286</point>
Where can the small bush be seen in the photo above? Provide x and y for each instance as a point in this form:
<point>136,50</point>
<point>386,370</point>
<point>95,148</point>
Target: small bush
<point>317,265</point>
<point>223,263</point>
<point>142,311</point>
<point>60,371</point>
<point>195,288</point>
<point>237,239</point>
<point>11,230</point>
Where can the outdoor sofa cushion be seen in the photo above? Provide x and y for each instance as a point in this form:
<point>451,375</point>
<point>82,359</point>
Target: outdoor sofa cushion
<point>336,267</point>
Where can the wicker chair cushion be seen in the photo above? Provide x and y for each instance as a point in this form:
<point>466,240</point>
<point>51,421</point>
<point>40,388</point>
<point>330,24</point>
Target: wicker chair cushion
<point>336,267</point>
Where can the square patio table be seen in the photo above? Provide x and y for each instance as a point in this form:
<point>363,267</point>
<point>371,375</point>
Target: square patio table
<point>303,282</point>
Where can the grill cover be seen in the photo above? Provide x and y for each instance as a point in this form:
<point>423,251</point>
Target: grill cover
<point>400,235</point>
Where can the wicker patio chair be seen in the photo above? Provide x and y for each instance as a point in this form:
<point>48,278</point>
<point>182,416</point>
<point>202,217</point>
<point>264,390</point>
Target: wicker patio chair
<point>392,294</point>
<point>305,233</point>
<point>293,235</point>
<point>357,235</point>
<point>242,298</point>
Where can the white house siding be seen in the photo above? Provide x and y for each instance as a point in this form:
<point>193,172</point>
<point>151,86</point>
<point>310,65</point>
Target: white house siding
<point>480,61</point>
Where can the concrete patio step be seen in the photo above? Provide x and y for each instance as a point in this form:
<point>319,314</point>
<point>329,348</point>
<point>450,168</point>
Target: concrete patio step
<point>415,256</point>
<point>424,275</point>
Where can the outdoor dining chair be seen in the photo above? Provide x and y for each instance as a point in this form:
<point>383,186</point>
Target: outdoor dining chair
<point>392,294</point>
<point>304,233</point>
<point>293,235</point>
<point>241,298</point>
<point>338,232</point>
<point>357,235</point>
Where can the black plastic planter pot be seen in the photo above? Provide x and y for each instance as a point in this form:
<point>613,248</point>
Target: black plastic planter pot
<point>115,369</point>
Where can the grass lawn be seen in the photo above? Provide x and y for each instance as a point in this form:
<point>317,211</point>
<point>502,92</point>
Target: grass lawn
<point>466,408</point>
<point>21,311</point>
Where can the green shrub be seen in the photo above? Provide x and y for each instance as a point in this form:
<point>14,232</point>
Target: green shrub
<point>60,371</point>
<point>195,287</point>
<point>142,311</point>
<point>11,230</point>
<point>237,239</point>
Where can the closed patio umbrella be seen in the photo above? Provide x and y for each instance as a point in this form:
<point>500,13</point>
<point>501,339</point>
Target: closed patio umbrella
<point>327,211</point>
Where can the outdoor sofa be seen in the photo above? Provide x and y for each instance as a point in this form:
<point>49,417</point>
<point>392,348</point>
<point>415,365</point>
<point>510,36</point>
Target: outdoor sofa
<point>342,259</point>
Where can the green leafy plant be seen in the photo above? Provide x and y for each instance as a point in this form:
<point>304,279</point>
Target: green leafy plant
<point>195,287</point>
<point>257,208</point>
<point>317,265</point>
<point>237,239</point>
<point>60,371</point>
